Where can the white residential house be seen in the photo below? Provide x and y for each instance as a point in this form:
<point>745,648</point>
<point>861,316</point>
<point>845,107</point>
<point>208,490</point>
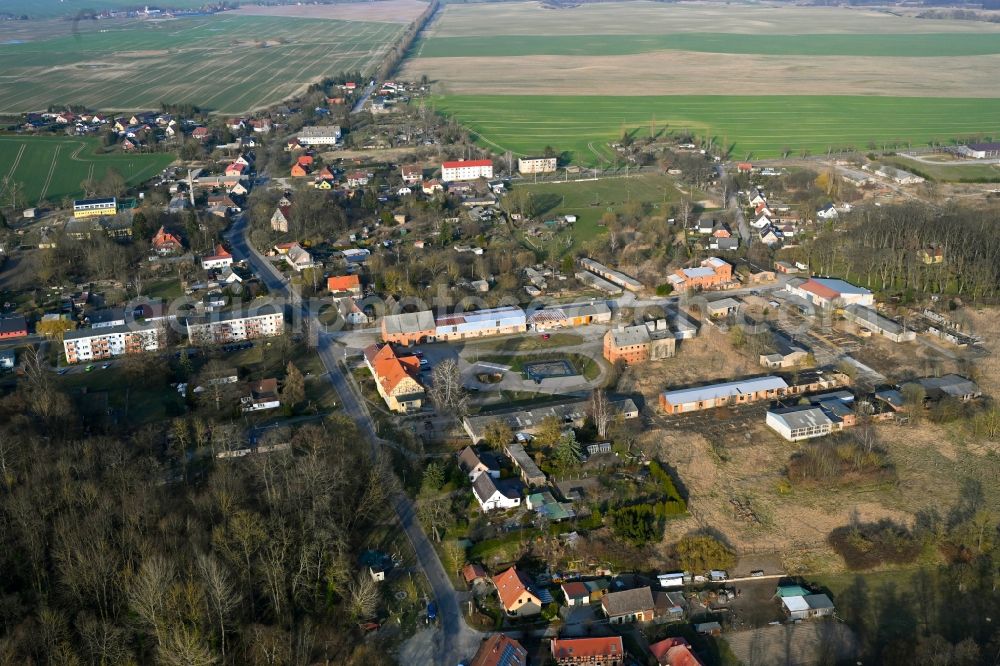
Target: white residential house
<point>827,212</point>
<point>490,497</point>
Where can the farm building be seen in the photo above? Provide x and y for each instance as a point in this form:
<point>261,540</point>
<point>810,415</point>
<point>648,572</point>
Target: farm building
<point>639,343</point>
<point>980,151</point>
<point>600,284</point>
<point>802,422</point>
<point>466,170</point>
<point>481,323</point>
<point>615,277</point>
<point>718,395</point>
<point>876,323</point>
<point>785,354</point>
<point>722,308</point>
<point>408,328</point>
<point>950,386</point>
<point>829,292</point>
<point>568,316</point>
<point>713,273</point>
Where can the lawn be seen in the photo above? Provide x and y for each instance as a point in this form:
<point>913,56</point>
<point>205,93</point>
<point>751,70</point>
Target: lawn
<point>898,45</point>
<point>755,126</point>
<point>146,403</point>
<point>589,200</point>
<point>524,343</point>
<point>584,365</point>
<point>52,168</point>
<point>223,63</point>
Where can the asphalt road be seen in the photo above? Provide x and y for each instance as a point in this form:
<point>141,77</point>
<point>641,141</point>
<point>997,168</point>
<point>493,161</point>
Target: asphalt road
<point>452,624</point>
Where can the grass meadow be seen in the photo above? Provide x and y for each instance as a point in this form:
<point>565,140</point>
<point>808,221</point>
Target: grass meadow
<point>891,45</point>
<point>52,168</point>
<point>224,63</point>
<point>754,126</point>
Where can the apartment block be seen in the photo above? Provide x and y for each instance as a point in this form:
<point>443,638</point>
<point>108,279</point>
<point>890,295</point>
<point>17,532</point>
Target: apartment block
<point>97,344</point>
<point>233,326</point>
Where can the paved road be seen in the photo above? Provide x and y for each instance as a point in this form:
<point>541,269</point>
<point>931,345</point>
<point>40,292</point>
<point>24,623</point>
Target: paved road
<point>455,633</point>
<point>360,104</point>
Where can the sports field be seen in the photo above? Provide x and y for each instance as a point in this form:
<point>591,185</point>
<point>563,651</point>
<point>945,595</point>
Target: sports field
<point>766,79</point>
<point>51,168</point>
<point>226,63</point>
<point>758,126</point>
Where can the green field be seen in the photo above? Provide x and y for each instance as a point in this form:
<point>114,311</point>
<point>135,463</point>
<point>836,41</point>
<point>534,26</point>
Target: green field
<point>56,8</point>
<point>224,63</point>
<point>52,168</point>
<point>893,45</point>
<point>589,199</point>
<point>756,127</point>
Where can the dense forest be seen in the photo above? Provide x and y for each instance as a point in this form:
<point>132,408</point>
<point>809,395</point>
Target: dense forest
<point>879,247</point>
<point>126,547</point>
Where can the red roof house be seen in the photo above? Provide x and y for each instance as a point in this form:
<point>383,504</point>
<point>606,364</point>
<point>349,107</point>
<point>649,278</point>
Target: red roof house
<point>607,651</point>
<point>342,283</point>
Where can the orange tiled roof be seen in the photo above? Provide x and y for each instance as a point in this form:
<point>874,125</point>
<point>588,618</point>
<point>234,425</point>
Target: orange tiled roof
<point>343,283</point>
<point>390,369</point>
<point>581,648</point>
<point>510,584</point>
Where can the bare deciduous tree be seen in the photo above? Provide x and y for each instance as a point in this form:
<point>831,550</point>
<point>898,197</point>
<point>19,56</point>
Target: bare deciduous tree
<point>600,412</point>
<point>446,391</point>
<point>363,596</point>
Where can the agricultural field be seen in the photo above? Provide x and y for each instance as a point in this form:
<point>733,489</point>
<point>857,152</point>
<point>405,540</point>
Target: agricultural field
<point>40,9</point>
<point>227,63</point>
<point>805,78</point>
<point>765,126</point>
<point>51,168</point>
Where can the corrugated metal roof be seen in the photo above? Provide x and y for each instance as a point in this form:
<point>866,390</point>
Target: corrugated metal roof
<point>716,391</point>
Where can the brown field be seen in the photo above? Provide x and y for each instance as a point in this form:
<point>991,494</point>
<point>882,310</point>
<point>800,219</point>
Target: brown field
<point>385,11</point>
<point>688,73</point>
<point>734,455</point>
<point>646,18</point>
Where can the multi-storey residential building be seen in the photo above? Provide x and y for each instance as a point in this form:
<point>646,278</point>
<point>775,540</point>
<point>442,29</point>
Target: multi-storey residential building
<point>90,344</point>
<point>95,207</point>
<point>536,164</point>
<point>320,135</point>
<point>222,327</point>
<point>466,170</point>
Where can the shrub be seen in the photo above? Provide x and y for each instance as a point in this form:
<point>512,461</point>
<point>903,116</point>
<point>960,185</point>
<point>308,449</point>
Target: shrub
<point>702,552</point>
<point>638,524</point>
<point>664,289</point>
<point>838,460</point>
<point>867,545</point>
